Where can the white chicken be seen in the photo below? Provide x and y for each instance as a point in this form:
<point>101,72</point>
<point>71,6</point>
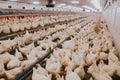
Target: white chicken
<point>36,53</point>
<point>112,57</point>
<point>18,55</point>
<point>78,58</point>
<point>25,50</point>
<point>14,62</point>
<point>1,69</point>
<point>58,77</point>
<point>4,45</point>
<point>102,55</point>
<point>65,60</point>
<point>41,70</point>
<point>117,70</point>
<point>71,75</point>
<point>42,23</point>
<point>6,29</point>
<point>71,64</point>
<point>21,26</point>
<point>34,24</point>
<point>53,65</point>
<point>116,66</point>
<point>5,58</point>
<point>93,68</point>
<point>58,53</point>
<point>96,47</point>
<point>62,53</point>
<point>1,28</point>
<point>98,74</point>
<point>41,54</point>
<point>11,74</point>
<point>80,70</point>
<point>91,57</point>
<point>14,27</point>
<point>101,76</point>
<point>69,44</point>
<point>47,45</point>
<point>36,36</point>
<point>27,25</point>
<point>109,69</point>
<point>114,51</point>
<point>27,37</point>
<point>26,63</point>
<point>38,76</point>
<point>32,54</point>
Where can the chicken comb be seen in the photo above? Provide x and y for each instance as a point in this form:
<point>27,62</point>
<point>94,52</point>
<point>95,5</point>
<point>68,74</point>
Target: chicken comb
<point>65,63</point>
<point>84,64</point>
<point>107,44</point>
<point>102,32</point>
<point>101,44</point>
<point>97,56</point>
<point>71,51</point>
<point>91,62</point>
<point>77,48</point>
<point>45,59</point>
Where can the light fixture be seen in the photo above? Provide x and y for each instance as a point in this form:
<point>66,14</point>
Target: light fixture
<point>36,2</point>
<point>13,0</point>
<point>69,6</point>
<point>96,3</point>
<point>87,7</point>
<point>75,1</point>
<point>61,5</point>
<point>53,2</point>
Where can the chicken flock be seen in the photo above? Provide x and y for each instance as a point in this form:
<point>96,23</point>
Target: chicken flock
<point>19,53</point>
<point>86,50</point>
<point>8,24</point>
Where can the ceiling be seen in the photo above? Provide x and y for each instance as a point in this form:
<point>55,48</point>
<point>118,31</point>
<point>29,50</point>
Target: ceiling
<point>95,4</point>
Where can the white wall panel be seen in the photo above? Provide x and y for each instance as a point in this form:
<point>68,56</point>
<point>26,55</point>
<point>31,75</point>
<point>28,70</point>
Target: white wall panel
<point>117,22</point>
<point>112,17</point>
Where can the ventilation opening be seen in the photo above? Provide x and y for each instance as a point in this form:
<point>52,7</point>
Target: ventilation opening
<point>23,7</point>
<point>9,6</point>
<point>34,8</point>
